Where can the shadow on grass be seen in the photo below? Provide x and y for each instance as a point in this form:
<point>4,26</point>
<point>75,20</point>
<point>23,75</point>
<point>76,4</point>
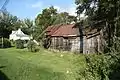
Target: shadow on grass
<point>115,72</point>
<point>2,75</point>
<point>115,76</point>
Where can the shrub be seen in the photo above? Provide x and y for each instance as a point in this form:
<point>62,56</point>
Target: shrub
<point>13,44</point>
<point>32,47</point>
<point>19,44</point>
<point>6,43</point>
<point>97,67</point>
<point>104,66</point>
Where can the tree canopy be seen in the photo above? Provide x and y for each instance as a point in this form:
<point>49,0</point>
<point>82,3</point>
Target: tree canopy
<point>8,23</point>
<point>50,16</point>
<point>45,18</point>
<point>103,13</point>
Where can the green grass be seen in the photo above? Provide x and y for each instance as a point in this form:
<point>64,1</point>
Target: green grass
<point>19,64</point>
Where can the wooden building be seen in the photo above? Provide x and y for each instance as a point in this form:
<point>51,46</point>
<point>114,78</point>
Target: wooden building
<point>71,37</point>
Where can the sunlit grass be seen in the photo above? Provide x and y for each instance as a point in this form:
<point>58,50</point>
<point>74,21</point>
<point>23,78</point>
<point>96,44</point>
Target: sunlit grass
<point>43,65</point>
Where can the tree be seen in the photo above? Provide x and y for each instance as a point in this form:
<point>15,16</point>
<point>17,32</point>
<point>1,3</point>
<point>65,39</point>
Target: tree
<point>48,17</point>
<point>64,18</point>
<point>27,26</point>
<point>8,23</point>
<point>103,13</point>
<point>44,19</point>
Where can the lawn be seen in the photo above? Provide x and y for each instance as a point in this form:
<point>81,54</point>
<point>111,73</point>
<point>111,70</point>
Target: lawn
<point>16,64</point>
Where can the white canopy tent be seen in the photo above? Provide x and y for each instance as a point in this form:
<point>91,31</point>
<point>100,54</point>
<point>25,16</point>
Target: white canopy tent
<point>15,35</point>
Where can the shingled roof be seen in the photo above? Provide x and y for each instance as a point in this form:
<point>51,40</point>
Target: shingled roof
<point>62,30</point>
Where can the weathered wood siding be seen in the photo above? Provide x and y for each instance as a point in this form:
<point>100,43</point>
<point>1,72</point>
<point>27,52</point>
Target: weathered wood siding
<point>65,44</point>
<point>75,45</point>
<point>86,44</point>
<point>93,44</point>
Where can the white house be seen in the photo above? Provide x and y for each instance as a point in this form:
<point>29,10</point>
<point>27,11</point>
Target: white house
<point>15,35</point>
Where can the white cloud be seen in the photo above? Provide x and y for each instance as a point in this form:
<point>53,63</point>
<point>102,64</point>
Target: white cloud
<point>70,9</point>
<point>37,5</point>
<point>57,7</point>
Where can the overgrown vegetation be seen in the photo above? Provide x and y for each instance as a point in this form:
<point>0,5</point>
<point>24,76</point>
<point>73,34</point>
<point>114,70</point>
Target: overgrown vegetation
<point>5,43</point>
<point>32,46</point>
<point>101,14</point>
<point>102,67</point>
<point>105,15</point>
<point>19,44</point>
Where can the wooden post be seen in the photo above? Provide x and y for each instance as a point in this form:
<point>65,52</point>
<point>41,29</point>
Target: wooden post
<point>2,43</point>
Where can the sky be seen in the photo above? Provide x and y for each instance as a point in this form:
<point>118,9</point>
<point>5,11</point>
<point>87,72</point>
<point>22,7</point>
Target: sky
<point>30,8</point>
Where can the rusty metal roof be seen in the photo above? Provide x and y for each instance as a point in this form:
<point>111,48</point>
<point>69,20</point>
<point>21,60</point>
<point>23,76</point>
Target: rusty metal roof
<point>63,30</point>
<point>51,29</point>
<point>67,30</point>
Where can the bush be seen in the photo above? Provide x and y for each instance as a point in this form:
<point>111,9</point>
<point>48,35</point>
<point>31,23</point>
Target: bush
<point>104,66</point>
<point>19,44</point>
<point>6,43</point>
<point>32,47</point>
<point>13,43</point>
<point>98,67</point>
